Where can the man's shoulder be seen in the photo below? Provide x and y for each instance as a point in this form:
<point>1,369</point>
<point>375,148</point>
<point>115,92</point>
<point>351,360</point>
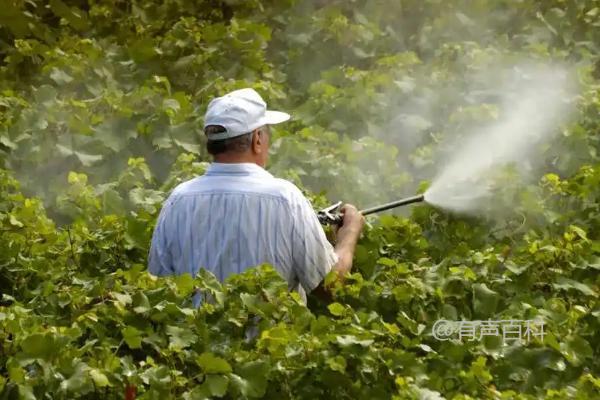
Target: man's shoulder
<point>179,191</point>
<point>185,186</point>
<point>266,186</point>
<point>288,190</point>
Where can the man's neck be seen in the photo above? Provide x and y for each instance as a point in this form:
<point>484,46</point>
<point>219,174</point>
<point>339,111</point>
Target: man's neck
<point>235,159</point>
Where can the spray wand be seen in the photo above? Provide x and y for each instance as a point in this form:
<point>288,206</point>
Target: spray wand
<point>331,215</point>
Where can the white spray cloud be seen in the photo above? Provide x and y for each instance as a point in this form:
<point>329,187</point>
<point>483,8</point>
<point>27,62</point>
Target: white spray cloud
<point>536,104</point>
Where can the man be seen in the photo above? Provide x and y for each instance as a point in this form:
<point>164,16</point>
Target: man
<point>237,215</point>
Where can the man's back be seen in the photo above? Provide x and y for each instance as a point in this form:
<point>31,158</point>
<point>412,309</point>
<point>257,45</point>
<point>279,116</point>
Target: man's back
<point>238,216</point>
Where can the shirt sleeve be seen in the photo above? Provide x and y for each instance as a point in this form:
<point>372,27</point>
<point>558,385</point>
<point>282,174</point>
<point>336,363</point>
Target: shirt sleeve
<point>160,262</point>
<point>312,255</point>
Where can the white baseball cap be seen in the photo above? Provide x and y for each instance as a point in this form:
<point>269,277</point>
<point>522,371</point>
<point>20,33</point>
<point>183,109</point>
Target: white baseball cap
<point>240,112</point>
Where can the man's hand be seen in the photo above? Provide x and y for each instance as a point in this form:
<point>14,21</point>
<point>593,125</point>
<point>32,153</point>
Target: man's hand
<point>352,219</point>
<point>347,235</point>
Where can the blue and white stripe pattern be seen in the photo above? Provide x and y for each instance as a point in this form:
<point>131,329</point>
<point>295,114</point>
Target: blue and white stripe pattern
<point>238,216</point>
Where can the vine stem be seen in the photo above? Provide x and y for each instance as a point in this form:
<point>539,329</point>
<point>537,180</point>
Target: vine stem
<point>72,250</point>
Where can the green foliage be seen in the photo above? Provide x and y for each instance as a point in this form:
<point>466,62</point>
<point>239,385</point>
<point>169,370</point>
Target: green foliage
<point>101,106</point>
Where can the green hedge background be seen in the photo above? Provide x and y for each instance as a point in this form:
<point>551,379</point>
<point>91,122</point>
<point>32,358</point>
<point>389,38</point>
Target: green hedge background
<point>101,106</point>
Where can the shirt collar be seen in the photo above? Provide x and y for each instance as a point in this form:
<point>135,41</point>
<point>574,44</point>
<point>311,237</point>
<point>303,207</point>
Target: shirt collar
<point>239,169</point>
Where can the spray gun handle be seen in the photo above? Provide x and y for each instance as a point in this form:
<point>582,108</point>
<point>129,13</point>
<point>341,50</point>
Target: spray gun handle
<point>331,215</point>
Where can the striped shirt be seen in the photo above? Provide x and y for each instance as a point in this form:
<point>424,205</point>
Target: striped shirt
<point>238,216</point>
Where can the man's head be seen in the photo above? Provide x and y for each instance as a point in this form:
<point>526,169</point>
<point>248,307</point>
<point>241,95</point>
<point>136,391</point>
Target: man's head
<point>237,127</point>
<point>249,147</point>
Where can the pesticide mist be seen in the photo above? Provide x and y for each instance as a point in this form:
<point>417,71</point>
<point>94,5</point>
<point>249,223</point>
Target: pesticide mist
<point>531,112</point>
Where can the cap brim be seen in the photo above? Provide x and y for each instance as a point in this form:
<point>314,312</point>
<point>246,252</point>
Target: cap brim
<point>276,117</point>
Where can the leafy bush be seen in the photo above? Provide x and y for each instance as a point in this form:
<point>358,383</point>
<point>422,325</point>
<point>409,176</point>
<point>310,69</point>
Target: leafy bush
<point>101,110</point>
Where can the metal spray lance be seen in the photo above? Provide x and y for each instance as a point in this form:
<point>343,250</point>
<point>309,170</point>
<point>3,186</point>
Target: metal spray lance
<point>331,215</point>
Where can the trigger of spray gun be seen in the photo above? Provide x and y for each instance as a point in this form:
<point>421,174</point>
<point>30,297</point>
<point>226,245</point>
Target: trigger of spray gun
<point>330,215</point>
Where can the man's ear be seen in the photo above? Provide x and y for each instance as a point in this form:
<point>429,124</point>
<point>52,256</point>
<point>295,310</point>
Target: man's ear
<point>257,141</point>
